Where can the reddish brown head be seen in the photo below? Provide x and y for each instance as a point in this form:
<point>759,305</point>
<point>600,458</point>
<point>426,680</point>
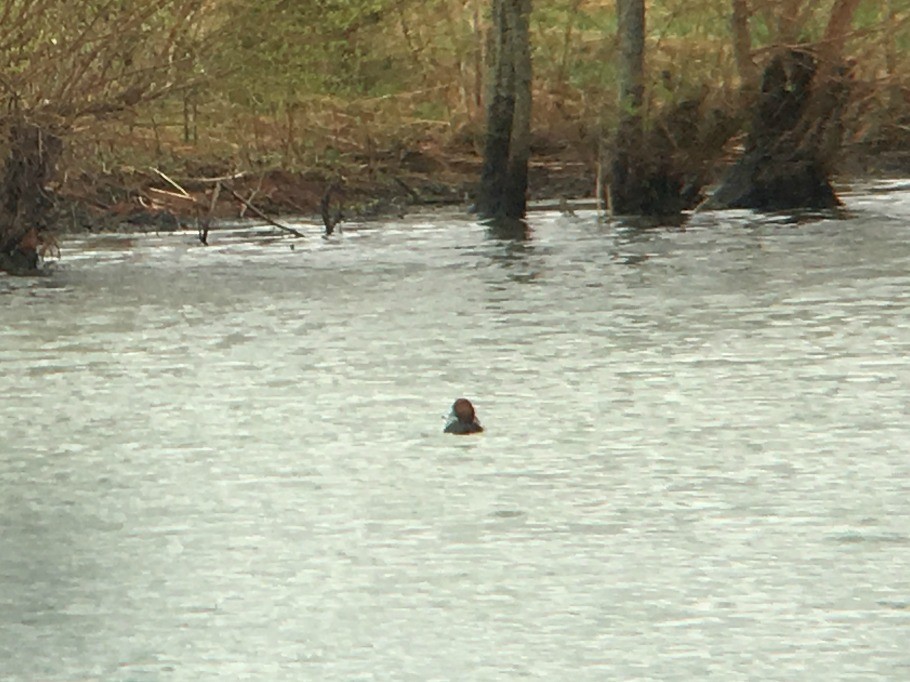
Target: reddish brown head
<point>463,410</point>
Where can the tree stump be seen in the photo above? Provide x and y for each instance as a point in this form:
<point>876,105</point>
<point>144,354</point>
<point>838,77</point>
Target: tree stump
<point>794,138</point>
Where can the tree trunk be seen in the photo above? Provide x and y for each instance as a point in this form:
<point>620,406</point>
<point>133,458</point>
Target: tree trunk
<point>839,21</point>
<point>504,177</point>
<point>32,153</point>
<point>631,27</point>
<point>796,127</point>
<point>643,180</point>
<point>790,20</point>
<point>516,195</point>
<point>658,167</point>
<point>742,45</point>
<point>626,166</point>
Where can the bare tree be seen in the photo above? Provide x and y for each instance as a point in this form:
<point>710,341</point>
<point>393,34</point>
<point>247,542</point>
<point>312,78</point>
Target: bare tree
<point>62,64</point>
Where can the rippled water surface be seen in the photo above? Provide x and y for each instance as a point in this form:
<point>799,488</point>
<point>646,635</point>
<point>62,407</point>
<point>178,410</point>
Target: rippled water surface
<point>227,463</point>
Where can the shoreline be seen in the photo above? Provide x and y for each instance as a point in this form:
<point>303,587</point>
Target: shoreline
<point>160,204</point>
<point>155,202</point>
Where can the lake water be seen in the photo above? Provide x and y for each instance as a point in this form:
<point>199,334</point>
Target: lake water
<point>227,462</point>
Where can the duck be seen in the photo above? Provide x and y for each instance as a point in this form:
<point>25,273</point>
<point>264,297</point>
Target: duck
<point>462,420</point>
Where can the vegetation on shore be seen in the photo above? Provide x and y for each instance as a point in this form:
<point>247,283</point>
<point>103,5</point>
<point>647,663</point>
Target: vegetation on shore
<point>120,109</point>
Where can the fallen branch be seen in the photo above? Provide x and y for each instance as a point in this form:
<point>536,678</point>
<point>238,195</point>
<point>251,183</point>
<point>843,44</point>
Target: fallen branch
<point>254,192</point>
<point>172,183</point>
<point>415,197</point>
<point>262,215</point>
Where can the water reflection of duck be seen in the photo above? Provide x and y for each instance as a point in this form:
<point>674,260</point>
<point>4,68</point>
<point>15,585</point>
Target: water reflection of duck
<point>462,419</point>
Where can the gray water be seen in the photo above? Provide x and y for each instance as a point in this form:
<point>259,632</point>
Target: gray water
<point>227,463</point>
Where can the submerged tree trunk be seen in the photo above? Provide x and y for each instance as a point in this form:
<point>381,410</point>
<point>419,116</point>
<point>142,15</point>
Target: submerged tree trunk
<point>31,155</point>
<point>504,178</point>
<point>796,127</point>
<point>627,155</point>
<point>645,177</point>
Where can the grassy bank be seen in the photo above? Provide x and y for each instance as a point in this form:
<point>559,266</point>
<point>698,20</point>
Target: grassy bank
<point>384,100</point>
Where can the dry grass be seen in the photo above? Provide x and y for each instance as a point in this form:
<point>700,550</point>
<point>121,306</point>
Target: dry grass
<point>431,103</point>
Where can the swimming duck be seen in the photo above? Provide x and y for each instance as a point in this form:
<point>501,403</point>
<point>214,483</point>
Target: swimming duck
<point>462,419</point>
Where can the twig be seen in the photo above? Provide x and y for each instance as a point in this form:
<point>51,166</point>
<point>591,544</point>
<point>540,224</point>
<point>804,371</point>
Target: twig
<point>181,197</point>
<point>233,176</point>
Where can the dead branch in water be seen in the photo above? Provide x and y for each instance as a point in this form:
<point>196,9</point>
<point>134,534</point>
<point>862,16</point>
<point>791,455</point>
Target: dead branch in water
<point>205,224</point>
<point>260,214</point>
<point>182,194</point>
<point>253,194</point>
